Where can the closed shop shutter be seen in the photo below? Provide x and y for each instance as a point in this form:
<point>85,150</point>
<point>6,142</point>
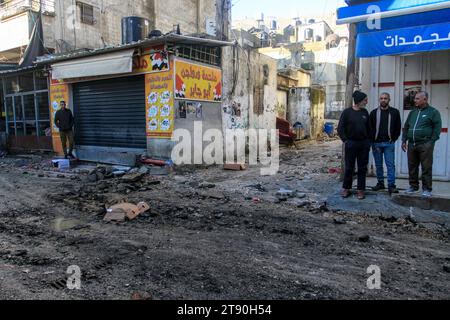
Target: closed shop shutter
<point>110,113</point>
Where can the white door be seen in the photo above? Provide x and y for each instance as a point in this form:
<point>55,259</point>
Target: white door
<point>430,72</point>
<point>439,88</point>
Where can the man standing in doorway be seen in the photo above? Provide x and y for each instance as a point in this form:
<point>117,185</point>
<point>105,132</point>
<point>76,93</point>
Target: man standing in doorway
<point>64,121</point>
<point>422,130</point>
<point>354,131</point>
<point>386,127</point>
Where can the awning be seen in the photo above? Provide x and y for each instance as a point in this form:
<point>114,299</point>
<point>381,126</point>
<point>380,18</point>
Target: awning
<point>399,26</point>
<point>106,64</point>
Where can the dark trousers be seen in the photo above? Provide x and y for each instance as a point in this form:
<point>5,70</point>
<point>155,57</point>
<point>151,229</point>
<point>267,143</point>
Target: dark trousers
<point>66,136</point>
<point>421,155</point>
<point>356,152</point>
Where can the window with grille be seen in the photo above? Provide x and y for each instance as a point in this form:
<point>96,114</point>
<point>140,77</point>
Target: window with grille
<point>86,13</point>
<point>208,55</point>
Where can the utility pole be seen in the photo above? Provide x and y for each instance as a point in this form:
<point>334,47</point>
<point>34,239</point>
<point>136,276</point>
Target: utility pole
<point>351,80</point>
<point>223,19</point>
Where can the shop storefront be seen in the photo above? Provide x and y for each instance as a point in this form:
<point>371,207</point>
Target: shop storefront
<point>407,51</point>
<point>129,102</point>
<point>25,115</point>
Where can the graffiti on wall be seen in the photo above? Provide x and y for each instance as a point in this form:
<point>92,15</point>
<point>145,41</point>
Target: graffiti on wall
<point>233,116</point>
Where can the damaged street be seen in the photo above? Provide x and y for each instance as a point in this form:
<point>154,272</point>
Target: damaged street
<point>212,233</point>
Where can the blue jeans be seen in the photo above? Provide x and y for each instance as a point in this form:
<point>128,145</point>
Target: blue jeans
<point>387,150</point>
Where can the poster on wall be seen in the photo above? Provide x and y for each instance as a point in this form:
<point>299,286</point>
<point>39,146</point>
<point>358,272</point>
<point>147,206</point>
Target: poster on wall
<point>153,62</point>
<point>409,97</point>
<point>160,112</point>
<point>197,82</point>
<point>58,93</point>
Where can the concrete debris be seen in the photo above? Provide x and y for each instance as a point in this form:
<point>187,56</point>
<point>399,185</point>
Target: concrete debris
<point>115,216</point>
<point>132,177</point>
<point>235,167</point>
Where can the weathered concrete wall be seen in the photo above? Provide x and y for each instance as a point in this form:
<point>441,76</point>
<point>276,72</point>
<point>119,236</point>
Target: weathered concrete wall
<point>190,14</point>
<point>248,76</point>
<point>64,30</point>
<point>299,108</point>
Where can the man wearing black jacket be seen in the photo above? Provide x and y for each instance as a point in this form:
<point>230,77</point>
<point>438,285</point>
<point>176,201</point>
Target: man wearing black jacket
<point>64,121</point>
<point>354,130</point>
<point>386,127</point>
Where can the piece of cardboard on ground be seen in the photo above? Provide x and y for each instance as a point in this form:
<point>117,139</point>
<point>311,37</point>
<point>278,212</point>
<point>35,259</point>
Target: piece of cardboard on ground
<point>129,210</point>
<point>117,215</point>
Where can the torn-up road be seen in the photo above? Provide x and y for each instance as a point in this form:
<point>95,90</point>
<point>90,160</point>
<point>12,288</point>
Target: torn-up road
<point>210,234</point>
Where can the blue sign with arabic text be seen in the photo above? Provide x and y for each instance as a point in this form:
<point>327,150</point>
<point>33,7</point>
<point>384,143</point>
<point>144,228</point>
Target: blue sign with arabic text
<point>401,41</point>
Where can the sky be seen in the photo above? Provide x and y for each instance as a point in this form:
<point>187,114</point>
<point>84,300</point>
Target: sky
<point>284,8</point>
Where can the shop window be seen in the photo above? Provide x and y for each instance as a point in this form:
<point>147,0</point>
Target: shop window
<point>86,13</point>
<point>12,85</point>
<point>9,109</point>
<point>20,129</point>
<point>18,108</point>
<point>45,130</point>
<point>41,81</point>
<point>30,115</point>
<point>43,106</point>
<point>26,82</point>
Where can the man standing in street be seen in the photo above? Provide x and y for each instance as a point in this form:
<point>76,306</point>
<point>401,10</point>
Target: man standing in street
<point>386,127</point>
<point>64,121</point>
<point>354,131</point>
<point>422,130</point>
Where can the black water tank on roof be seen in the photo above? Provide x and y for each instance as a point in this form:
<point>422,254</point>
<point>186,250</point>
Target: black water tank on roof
<point>134,29</point>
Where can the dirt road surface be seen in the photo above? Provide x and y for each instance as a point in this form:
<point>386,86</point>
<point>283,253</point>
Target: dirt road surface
<point>210,234</point>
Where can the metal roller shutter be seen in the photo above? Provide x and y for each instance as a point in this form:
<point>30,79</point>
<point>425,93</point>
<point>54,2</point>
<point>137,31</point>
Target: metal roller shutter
<point>110,113</point>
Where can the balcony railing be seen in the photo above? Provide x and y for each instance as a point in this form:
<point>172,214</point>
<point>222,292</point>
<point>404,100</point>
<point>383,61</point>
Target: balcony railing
<point>9,8</point>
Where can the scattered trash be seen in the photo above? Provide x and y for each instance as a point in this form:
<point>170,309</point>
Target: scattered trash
<point>141,296</point>
<point>256,200</point>
<point>334,170</point>
<point>339,220</point>
<point>206,185</point>
<point>121,211</point>
<point>285,193</point>
<point>120,169</point>
<point>258,187</point>
<point>160,163</point>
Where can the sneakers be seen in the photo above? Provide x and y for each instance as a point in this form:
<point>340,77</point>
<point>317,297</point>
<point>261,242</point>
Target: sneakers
<point>427,194</point>
<point>412,190</point>
<point>361,195</point>
<point>393,190</point>
<point>346,193</point>
<point>380,186</point>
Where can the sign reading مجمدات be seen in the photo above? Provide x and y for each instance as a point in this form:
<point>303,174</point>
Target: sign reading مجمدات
<point>401,41</point>
<point>58,93</point>
<point>159,112</point>
<point>197,82</point>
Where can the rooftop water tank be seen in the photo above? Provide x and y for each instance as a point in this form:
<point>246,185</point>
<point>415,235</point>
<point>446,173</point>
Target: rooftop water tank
<point>134,29</point>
